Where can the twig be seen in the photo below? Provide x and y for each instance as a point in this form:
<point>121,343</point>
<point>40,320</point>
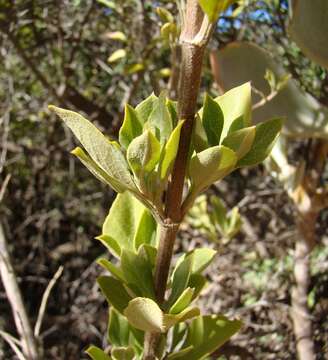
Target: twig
<point>44,301</point>
<point>13,342</point>
<point>24,329</point>
<point>4,186</point>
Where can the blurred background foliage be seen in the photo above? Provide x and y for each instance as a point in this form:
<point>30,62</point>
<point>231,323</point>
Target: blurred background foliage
<point>93,57</point>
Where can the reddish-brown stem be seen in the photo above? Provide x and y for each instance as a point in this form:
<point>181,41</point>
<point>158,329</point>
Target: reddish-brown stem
<point>193,40</point>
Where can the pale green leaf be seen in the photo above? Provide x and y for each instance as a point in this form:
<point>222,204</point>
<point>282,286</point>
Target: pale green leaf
<point>146,230</point>
<point>180,279</point>
<point>160,120</point>
<point>118,329</point>
<point>179,354</point>
<point>134,68</point>
<point>212,8</point>
<point>105,153</point>
<point>170,151</point>
<point>145,314</point>
<point>173,319</point>
<point>137,271</point>
<point>122,353</point>
<point>197,282</point>
<point>240,141</point>
<point>97,354</point>
<point>123,220</point>
<point>131,127</point>
<point>145,108</point>
<point>115,271</point>
<point>96,170</point>
<point>143,153</point>
<point>117,55</point>
<point>265,138</point>
<point>183,301</point>
<point>207,334</point>
<point>114,292</point>
<point>202,259</point>
<point>212,119</point>
<point>236,103</point>
<point>210,165</point>
<point>111,244</point>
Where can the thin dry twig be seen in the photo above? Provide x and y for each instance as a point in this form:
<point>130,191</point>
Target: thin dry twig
<point>13,343</point>
<point>44,300</point>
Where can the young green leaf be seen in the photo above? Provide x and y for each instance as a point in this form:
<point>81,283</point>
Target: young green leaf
<point>114,292</point>
<point>197,282</point>
<point>208,333</point>
<point>209,166</point>
<point>137,271</point>
<point>104,153</point>
<point>111,244</point>
<point>265,138</point>
<point>170,151</point>
<point>183,301</point>
<point>122,353</point>
<point>143,153</point>
<point>212,8</point>
<point>145,108</point>
<point>180,279</point>
<point>160,120</point>
<point>236,103</point>
<point>179,354</point>
<point>97,171</point>
<point>145,314</point>
<point>118,329</point>
<point>131,127</point>
<point>199,136</point>
<point>202,258</point>
<point>123,220</point>
<point>173,319</point>
<point>146,230</point>
<point>115,271</point>
<point>212,119</point>
<point>97,354</point>
<point>240,141</point>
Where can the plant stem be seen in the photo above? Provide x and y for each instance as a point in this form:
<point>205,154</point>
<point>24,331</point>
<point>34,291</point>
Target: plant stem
<point>193,41</point>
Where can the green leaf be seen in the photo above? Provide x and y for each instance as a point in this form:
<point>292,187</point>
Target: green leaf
<point>212,8</point>
<point>212,119</point>
<point>173,319</point>
<point>145,314</point>
<point>97,171</point>
<point>200,141</point>
<point>180,279</point>
<point>114,292</point>
<point>160,120</point>
<point>197,282</point>
<point>117,55</point>
<point>123,353</point>
<point>143,153</point>
<point>183,301</point>
<point>236,103</point>
<point>202,258</point>
<point>123,220</point>
<point>219,214</point>
<point>115,271</point>
<point>97,354</point>
<point>207,334</point>
<point>146,230</point>
<point>103,152</point>
<point>240,141</point>
<point>209,166</point>
<point>170,151</point>
<point>111,244</point>
<point>179,331</point>
<point>137,271</point>
<point>179,354</point>
<point>265,138</point>
<point>145,108</point>
<point>118,329</point>
<point>131,127</point>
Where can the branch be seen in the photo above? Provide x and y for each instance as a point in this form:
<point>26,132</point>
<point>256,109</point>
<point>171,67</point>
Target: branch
<point>24,329</point>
